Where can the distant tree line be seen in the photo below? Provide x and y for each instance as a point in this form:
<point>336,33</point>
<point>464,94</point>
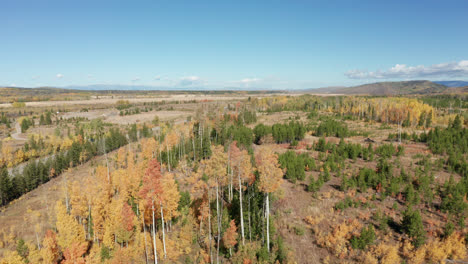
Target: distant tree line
<point>281,133</point>
<point>332,128</point>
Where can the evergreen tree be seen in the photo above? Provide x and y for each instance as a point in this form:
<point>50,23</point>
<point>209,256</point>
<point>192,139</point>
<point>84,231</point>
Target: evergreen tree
<point>413,226</point>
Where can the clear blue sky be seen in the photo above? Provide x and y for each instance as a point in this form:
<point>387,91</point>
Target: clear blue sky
<point>216,44</point>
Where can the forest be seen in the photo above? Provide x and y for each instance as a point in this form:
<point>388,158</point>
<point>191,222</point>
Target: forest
<point>277,179</point>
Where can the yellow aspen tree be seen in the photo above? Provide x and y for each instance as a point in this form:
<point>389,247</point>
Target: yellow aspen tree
<point>11,257</point>
<point>78,203</point>
<point>122,158</point>
<point>168,204</point>
<point>34,255</point>
<point>101,201</point>
<point>111,224</point>
<point>69,231</point>
<point>171,196</point>
<point>271,177</point>
<point>149,148</point>
<point>217,173</point>
<point>121,182</point>
<point>121,256</point>
<point>170,140</point>
<point>135,172</point>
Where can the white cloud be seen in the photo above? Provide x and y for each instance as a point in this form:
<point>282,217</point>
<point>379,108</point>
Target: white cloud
<point>35,77</point>
<point>189,80</point>
<point>90,76</point>
<point>449,69</point>
<point>157,78</point>
<point>136,79</point>
<point>250,80</point>
<point>59,75</point>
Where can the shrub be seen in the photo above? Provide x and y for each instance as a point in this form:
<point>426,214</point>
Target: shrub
<point>299,230</point>
<point>386,150</point>
<point>366,238</point>
<point>315,185</point>
<point>18,104</point>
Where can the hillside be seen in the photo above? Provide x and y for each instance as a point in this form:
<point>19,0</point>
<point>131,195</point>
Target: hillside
<point>387,88</point>
<point>11,94</point>
<point>457,90</point>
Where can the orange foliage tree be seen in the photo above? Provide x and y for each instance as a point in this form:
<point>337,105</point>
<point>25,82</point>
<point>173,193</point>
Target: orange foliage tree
<point>150,192</point>
<point>230,236</point>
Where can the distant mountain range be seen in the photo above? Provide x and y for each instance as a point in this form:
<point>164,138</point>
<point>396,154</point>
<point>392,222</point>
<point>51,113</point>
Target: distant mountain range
<point>124,87</point>
<point>375,89</point>
<point>391,88</point>
<point>453,83</point>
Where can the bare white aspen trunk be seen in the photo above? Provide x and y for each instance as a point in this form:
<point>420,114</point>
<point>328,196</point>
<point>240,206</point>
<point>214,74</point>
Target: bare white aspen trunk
<point>230,174</point>
<point>250,229</point>
<point>209,227</point>
<point>144,234</point>
<point>193,143</point>
<point>219,224</point>
<point>154,238</point>
<point>201,139</point>
<point>37,240</point>
<point>168,158</point>
<point>164,233</point>
<point>268,222</point>
<point>241,211</point>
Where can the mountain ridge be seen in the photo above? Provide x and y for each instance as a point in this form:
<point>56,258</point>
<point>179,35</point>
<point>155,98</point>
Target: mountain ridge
<point>453,83</point>
<point>387,88</point>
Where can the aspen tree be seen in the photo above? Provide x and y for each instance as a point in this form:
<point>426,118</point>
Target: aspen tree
<point>230,236</point>
<point>216,171</point>
<point>50,250</point>
<point>271,177</point>
<point>150,192</point>
<point>243,168</point>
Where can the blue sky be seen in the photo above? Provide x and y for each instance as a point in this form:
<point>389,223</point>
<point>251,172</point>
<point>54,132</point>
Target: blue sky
<point>218,44</point>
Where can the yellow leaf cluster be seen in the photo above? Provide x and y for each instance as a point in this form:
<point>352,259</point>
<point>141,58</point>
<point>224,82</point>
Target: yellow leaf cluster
<point>69,230</point>
<point>383,253</point>
<point>338,239</point>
